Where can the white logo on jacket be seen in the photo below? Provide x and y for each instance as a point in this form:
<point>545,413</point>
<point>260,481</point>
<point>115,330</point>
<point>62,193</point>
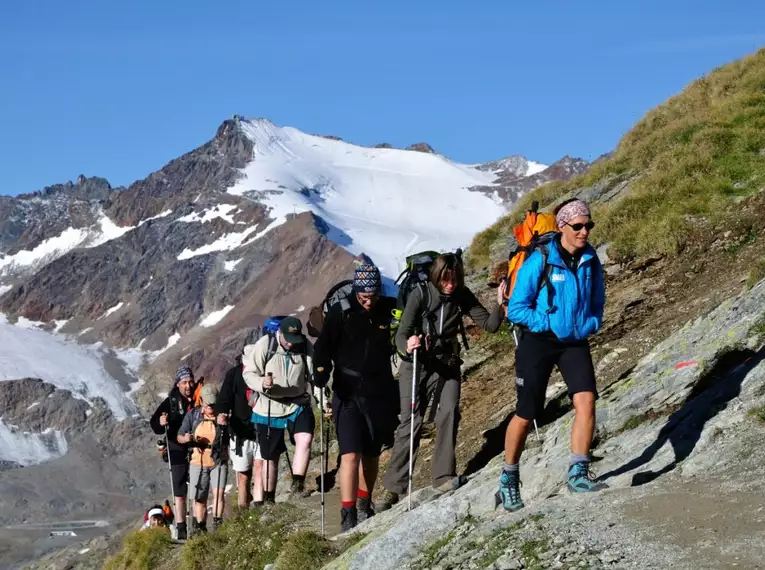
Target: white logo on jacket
<point>558,277</point>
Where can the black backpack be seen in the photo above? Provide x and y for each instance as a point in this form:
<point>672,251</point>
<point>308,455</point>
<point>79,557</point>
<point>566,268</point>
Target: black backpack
<point>340,293</point>
<point>416,275</point>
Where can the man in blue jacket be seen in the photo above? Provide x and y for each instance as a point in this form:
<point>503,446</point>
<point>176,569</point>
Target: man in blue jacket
<point>553,330</point>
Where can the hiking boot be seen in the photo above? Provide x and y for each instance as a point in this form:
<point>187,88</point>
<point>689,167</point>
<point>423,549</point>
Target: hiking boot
<point>582,480</point>
<point>509,494</point>
<point>298,489</point>
<point>182,532</point>
<point>349,518</point>
<point>217,521</point>
<point>386,500</point>
<point>202,526</point>
<point>365,508</point>
<point>452,484</point>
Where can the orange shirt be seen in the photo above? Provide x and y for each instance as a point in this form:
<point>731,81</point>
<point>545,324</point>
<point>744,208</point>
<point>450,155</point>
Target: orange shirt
<point>205,432</point>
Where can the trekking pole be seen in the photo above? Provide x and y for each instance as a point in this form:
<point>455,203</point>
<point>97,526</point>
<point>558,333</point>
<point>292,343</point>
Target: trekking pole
<point>411,428</point>
<point>216,491</point>
<point>268,440</point>
<point>172,485</point>
<point>536,427</point>
<point>321,451</point>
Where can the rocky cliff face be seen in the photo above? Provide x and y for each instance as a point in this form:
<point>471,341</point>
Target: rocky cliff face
<point>513,182</point>
<point>677,441</point>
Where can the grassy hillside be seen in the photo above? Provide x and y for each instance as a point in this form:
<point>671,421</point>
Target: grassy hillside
<point>248,539</point>
<point>686,162</point>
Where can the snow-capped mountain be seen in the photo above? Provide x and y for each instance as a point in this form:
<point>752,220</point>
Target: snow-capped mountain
<point>262,219</point>
<point>385,203</point>
<point>105,291</point>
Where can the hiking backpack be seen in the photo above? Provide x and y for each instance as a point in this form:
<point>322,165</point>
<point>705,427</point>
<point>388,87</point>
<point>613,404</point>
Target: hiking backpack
<point>269,329</point>
<point>417,275</point>
<point>535,232</point>
<point>340,293</point>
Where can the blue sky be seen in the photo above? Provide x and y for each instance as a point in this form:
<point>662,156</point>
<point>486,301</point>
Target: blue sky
<point>119,89</point>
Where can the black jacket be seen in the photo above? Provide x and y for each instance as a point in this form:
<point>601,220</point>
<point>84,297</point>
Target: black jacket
<point>233,398</point>
<point>176,406</point>
<point>357,346</point>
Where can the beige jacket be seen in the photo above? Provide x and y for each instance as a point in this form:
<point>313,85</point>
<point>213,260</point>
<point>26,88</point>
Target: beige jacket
<point>292,374</point>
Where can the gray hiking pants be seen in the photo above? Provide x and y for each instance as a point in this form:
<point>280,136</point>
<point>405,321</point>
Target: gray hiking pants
<point>443,380</point>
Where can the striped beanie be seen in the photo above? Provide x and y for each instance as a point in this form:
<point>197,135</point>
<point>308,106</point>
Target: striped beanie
<point>366,279</point>
<point>182,373</point>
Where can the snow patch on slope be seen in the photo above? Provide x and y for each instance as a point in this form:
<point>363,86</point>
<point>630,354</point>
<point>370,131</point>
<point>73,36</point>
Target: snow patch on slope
<point>225,242</point>
<point>32,353</point>
<point>222,211</point>
<point>28,261</point>
<point>216,316</point>
<point>385,203</point>
<point>114,309</point>
<point>27,448</point>
<point>229,265</point>
<point>157,217</point>
<point>535,168</point>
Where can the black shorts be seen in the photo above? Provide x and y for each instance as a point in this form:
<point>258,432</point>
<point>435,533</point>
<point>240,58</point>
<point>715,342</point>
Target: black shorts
<point>180,472</point>
<point>271,446</point>
<point>534,360</point>
<point>363,427</point>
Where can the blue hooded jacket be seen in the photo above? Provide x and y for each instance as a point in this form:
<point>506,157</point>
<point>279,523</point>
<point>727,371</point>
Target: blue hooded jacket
<point>578,299</point>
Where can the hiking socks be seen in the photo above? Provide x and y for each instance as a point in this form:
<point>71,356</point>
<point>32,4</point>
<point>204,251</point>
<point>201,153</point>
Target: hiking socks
<point>364,505</point>
<point>348,517</point>
<point>574,458</point>
<point>511,468</point>
<point>347,504</point>
<point>298,484</point>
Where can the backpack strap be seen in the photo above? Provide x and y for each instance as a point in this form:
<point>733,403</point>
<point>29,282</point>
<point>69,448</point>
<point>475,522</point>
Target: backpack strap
<point>544,280</point>
<point>462,330</point>
<point>271,351</point>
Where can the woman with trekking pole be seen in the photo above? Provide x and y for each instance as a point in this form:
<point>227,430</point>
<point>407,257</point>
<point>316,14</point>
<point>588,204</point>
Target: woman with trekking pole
<point>429,329</point>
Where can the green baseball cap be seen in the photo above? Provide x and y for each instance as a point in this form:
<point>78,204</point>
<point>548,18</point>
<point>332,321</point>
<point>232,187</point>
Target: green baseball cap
<point>292,330</point>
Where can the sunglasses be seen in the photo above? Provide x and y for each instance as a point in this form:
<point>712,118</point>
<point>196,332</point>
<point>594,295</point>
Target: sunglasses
<point>579,227</point>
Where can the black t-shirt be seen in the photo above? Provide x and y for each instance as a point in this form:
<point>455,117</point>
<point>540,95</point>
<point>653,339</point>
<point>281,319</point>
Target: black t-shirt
<point>571,260</point>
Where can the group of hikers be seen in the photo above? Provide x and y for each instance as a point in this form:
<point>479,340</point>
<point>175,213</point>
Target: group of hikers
<point>554,302</point>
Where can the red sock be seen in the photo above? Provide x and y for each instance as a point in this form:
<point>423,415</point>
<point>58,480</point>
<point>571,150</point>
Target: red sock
<point>362,494</point>
<point>345,504</point>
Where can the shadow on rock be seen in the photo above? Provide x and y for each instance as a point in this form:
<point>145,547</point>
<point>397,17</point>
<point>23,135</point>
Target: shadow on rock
<point>683,429</point>
<point>494,439</point>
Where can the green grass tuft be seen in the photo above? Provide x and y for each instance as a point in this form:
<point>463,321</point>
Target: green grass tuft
<point>687,160</point>
<point>141,550</point>
<point>758,414</point>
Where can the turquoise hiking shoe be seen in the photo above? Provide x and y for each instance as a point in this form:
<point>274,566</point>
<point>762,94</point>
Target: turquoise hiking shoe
<point>581,479</point>
<point>509,494</point>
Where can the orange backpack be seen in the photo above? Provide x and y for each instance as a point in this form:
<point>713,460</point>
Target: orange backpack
<point>536,231</point>
<point>196,398</point>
